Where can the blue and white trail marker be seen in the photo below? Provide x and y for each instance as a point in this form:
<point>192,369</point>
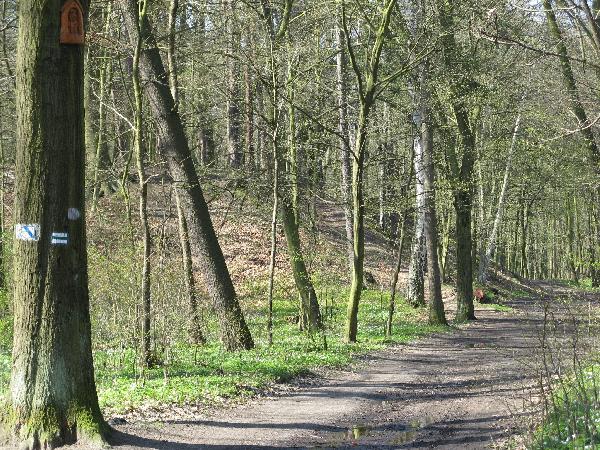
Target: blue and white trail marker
<point>60,238</point>
<point>27,232</point>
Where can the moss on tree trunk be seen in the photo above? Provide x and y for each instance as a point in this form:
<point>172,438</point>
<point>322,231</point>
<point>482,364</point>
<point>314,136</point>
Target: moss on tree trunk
<point>52,398</point>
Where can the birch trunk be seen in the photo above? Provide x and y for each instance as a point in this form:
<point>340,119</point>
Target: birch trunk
<point>491,243</point>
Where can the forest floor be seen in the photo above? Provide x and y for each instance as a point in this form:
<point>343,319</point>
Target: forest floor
<point>472,388</point>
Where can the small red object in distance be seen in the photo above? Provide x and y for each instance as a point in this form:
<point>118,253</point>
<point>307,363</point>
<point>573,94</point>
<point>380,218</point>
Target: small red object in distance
<point>479,294</point>
<point>71,23</point>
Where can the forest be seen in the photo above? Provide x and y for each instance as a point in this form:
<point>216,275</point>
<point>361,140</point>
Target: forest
<point>299,223</point>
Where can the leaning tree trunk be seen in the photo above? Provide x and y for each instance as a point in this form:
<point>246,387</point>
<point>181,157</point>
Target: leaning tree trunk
<point>308,296</point>
<point>52,398</point>
<point>235,334</point>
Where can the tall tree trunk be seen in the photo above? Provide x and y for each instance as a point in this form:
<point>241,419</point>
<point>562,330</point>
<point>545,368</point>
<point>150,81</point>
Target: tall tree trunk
<point>368,85</point>
<point>437,315</point>
<point>143,185</point>
<point>344,139</point>
<point>358,209</point>
<point>195,321</point>
<point>273,245</point>
<point>491,243</point>
<point>235,334</point>
<point>403,223</point>
<point>524,238</point>
<point>445,245</point>
<point>2,207</point>
<point>463,174</point>
<point>171,57</point>
<point>415,292</point>
<point>52,398</point>
<point>249,117</point>
<point>101,156</point>
<point>572,252</point>
<point>585,127</point>
<point>288,179</point>
<point>234,144</point>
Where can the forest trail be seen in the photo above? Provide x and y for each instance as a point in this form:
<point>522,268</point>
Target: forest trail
<point>462,390</point>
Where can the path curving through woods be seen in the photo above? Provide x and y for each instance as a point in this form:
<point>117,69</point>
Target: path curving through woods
<point>461,390</point>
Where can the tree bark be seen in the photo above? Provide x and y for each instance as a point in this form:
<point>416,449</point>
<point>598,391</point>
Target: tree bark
<point>3,273</point>
<point>367,84</point>
<point>52,398</point>
<point>491,244</point>
<point>234,144</point>
<point>415,292</point>
<point>138,147</point>
<point>235,334</point>
<point>194,325</point>
<point>344,139</point>
<point>437,315</point>
<point>463,174</point>
<point>195,321</point>
<point>101,156</point>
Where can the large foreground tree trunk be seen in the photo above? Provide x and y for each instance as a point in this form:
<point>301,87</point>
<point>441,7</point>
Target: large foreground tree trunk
<point>52,398</point>
<point>235,334</point>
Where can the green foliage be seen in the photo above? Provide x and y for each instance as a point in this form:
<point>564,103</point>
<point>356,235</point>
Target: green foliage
<point>6,320</point>
<point>206,375</point>
<point>5,366</point>
<point>497,307</point>
<point>6,316</point>
<point>585,284</point>
<point>574,414</point>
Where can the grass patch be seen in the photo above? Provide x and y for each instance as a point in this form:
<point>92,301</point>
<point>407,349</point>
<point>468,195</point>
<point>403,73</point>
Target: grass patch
<point>497,307</point>
<point>573,416</point>
<point>584,284</point>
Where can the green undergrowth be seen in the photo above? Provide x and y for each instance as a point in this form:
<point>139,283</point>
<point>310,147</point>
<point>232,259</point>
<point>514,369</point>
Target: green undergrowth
<point>497,307</point>
<point>573,413</point>
<point>584,284</point>
<point>207,375</point>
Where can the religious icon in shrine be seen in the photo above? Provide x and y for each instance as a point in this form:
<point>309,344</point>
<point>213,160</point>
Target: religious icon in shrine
<point>71,23</point>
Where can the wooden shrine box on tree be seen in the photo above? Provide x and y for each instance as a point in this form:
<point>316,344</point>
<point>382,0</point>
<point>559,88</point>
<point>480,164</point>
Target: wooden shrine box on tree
<point>71,23</point>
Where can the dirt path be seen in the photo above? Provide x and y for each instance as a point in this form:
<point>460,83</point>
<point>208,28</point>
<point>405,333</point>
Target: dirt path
<point>461,390</point>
